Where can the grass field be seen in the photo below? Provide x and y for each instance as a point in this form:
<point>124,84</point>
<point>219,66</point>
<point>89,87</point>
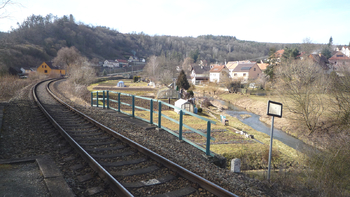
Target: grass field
<point>228,143</point>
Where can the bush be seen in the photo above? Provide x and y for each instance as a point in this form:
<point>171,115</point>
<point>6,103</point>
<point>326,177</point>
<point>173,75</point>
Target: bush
<point>136,78</point>
<point>206,102</point>
<point>330,169</point>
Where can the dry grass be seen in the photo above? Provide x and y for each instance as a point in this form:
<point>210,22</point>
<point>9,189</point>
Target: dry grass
<point>10,85</point>
<point>127,82</point>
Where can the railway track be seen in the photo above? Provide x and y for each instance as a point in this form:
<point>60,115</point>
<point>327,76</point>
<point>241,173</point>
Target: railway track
<point>129,168</point>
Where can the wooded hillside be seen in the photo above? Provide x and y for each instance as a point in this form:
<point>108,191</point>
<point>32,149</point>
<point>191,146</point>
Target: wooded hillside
<point>38,39</point>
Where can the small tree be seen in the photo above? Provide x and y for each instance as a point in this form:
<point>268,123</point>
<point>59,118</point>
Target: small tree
<point>182,81</point>
<point>301,85</point>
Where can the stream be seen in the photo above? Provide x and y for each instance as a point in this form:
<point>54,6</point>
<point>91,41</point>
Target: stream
<point>254,122</point>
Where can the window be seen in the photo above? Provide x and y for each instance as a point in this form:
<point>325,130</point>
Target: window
<point>45,66</point>
<point>186,106</point>
<point>244,74</point>
<point>235,74</point>
<point>45,71</point>
<point>254,69</point>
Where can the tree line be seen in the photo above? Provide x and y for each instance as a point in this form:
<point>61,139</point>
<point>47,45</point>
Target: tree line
<point>39,38</point>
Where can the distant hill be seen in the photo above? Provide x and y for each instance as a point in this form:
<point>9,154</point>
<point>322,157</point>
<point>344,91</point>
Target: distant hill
<point>39,38</point>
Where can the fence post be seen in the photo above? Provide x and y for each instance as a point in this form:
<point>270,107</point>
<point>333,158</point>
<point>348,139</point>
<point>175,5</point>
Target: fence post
<point>92,99</point>
<point>159,115</point>
<point>151,113</point>
<point>208,139</point>
<point>104,99</point>
<point>97,98</point>
<point>107,99</point>
<point>119,102</point>
<point>133,106</point>
<point>180,125</point>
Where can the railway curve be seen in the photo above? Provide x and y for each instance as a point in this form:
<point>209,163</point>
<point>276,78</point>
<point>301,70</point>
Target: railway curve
<point>129,168</point>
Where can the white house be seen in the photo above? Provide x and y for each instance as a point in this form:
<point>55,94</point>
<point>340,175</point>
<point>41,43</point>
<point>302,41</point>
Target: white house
<point>199,74</point>
<point>345,50</point>
<point>111,63</point>
<point>216,72</point>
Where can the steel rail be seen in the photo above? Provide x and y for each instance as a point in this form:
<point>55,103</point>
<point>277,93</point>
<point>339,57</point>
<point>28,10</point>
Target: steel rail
<point>103,173</point>
<point>205,184</point>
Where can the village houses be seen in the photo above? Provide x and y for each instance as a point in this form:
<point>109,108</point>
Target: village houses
<point>246,71</point>
<point>199,74</point>
<point>216,73</point>
<point>339,60</point>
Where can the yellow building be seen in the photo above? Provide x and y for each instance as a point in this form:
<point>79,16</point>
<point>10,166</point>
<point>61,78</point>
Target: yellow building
<point>48,68</point>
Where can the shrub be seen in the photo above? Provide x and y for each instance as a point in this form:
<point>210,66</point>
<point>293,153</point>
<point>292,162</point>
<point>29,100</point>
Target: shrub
<point>136,78</point>
<point>206,102</point>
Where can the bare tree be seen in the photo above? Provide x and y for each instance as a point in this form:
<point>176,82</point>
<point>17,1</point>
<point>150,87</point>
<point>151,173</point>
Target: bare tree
<point>301,85</point>
<point>308,47</point>
<point>151,67</point>
<point>4,4</point>
<point>67,57</point>
<point>340,93</point>
<point>186,65</point>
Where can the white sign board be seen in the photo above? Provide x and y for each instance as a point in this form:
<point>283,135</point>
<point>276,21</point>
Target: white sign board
<point>274,108</point>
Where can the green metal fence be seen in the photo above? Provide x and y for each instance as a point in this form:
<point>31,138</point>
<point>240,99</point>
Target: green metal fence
<point>112,100</point>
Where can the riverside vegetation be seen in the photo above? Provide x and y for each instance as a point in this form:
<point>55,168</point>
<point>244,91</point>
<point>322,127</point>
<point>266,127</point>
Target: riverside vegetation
<point>315,171</point>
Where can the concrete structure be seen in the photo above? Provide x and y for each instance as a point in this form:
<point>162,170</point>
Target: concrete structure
<point>236,165</point>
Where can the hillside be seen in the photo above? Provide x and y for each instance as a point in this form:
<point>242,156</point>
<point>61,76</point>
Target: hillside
<point>38,39</point>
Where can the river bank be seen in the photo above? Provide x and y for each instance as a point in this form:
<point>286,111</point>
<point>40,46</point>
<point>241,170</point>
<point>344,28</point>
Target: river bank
<point>258,106</point>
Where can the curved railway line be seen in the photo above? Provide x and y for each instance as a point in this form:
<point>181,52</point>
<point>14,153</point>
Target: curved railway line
<point>129,168</point>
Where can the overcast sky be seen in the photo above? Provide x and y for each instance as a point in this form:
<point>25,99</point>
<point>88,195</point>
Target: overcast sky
<point>278,21</point>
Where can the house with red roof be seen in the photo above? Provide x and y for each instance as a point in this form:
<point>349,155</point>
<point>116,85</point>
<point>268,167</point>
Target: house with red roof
<point>217,72</point>
<point>339,60</point>
<point>263,65</point>
<point>345,50</point>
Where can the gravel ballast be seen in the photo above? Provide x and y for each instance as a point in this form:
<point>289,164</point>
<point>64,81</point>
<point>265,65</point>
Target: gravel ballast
<point>24,133</point>
<point>168,146</point>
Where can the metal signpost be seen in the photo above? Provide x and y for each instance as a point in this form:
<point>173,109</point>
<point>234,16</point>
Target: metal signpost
<point>273,109</point>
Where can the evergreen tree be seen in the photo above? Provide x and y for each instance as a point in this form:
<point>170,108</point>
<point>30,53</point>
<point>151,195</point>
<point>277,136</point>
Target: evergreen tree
<point>326,52</point>
<point>182,81</point>
<point>330,41</point>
